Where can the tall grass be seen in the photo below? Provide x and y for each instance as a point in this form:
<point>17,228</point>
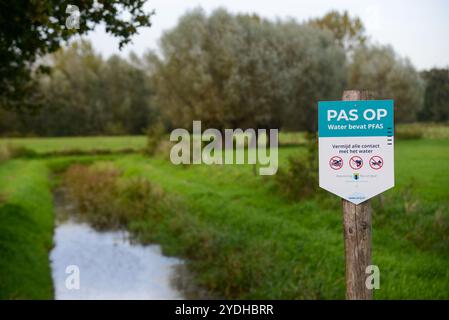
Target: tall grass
<point>245,241</point>
<point>107,200</point>
<point>239,236</point>
<point>26,229</point>
<point>419,130</point>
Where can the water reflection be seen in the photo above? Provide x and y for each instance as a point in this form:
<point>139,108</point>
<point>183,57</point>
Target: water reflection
<point>111,267</point>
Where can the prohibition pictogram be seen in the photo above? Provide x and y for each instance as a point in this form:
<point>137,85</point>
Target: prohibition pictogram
<point>336,163</point>
<point>376,162</point>
<point>356,162</point>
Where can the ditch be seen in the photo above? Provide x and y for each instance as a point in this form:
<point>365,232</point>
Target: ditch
<point>90,264</point>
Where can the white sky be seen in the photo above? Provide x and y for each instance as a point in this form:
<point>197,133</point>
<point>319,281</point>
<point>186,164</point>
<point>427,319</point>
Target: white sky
<point>417,29</point>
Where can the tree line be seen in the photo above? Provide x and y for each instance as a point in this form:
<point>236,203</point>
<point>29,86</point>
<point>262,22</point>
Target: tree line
<point>228,70</point>
<point>86,95</point>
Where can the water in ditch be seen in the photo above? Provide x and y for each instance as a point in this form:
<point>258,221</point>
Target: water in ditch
<point>88,264</point>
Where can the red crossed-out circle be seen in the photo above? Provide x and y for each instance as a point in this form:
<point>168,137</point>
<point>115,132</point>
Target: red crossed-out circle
<point>356,162</point>
<point>336,163</point>
<point>376,162</point>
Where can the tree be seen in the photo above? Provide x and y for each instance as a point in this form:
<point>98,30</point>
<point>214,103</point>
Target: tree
<point>377,68</point>
<point>243,71</point>
<point>349,32</point>
<point>31,29</point>
<point>73,94</point>
<point>436,95</point>
<point>87,95</point>
<point>127,96</point>
<point>314,69</point>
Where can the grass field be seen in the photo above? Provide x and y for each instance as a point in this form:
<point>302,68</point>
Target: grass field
<point>241,236</point>
<point>43,145</point>
<point>259,246</point>
<point>26,229</point>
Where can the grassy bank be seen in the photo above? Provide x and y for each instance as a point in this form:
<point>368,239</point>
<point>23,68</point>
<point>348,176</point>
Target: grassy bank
<point>240,235</point>
<point>26,229</point>
<point>245,241</point>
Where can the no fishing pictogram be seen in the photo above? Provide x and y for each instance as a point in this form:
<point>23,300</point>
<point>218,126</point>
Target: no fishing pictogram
<point>356,162</point>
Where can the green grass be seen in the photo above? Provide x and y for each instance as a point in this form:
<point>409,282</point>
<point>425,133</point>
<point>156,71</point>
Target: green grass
<point>253,244</point>
<point>26,229</point>
<point>49,145</point>
<point>243,239</point>
<point>44,145</point>
<point>423,165</point>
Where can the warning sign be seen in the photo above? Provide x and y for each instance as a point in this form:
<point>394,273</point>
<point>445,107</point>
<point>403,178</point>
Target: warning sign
<point>356,148</point>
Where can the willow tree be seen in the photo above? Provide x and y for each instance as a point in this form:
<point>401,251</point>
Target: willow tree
<point>436,95</point>
<point>85,94</point>
<point>379,69</point>
<point>244,71</point>
<point>349,32</point>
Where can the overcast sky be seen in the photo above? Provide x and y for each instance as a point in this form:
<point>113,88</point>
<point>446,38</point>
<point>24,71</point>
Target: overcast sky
<point>417,29</point>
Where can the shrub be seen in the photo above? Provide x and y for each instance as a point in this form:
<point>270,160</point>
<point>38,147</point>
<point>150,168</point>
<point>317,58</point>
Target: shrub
<point>139,198</point>
<point>9,151</point>
<point>436,131</point>
<point>300,180</point>
<point>409,133</point>
<point>93,190</point>
<point>87,152</point>
<point>164,149</point>
<point>4,153</point>
<point>155,135</point>
<point>428,130</point>
<point>106,199</point>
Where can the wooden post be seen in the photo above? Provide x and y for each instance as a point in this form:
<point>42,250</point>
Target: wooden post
<point>357,233</point>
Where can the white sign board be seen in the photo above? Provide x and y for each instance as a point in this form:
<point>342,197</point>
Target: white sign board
<point>356,148</point>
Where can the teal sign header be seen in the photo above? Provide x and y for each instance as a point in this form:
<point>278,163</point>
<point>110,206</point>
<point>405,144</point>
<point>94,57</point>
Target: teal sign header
<point>372,118</point>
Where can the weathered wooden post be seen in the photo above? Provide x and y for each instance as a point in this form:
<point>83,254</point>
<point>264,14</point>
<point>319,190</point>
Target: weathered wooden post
<point>357,233</point>
<point>356,163</point>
